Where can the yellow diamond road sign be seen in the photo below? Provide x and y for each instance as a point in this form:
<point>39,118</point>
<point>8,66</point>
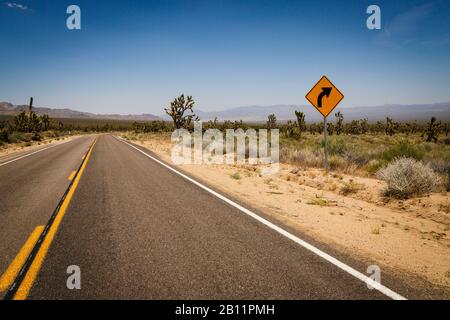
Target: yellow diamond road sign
<point>324,96</point>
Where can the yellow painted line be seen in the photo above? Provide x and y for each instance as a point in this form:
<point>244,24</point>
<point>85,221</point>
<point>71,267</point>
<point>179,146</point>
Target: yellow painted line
<point>13,270</point>
<point>30,277</point>
<point>72,175</point>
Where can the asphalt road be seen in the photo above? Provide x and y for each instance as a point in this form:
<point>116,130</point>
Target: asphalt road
<point>139,231</point>
<point>30,189</point>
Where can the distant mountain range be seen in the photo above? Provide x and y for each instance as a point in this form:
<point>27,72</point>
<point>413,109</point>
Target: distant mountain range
<point>419,112</point>
<point>7,108</point>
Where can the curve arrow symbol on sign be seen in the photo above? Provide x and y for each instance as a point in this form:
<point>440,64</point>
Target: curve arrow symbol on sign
<point>325,92</point>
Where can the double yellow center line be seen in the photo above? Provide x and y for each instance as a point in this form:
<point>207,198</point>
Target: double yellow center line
<point>36,250</point>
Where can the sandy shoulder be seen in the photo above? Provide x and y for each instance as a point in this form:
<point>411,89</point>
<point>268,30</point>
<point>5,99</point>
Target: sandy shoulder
<point>406,236</point>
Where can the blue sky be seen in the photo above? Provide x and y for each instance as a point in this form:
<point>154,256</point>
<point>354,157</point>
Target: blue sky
<point>136,56</point>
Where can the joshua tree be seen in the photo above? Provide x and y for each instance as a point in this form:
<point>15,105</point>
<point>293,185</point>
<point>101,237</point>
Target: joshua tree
<point>354,127</point>
<point>339,122</point>
<point>227,124</point>
<point>330,128</point>
<point>300,122</point>
<point>3,132</point>
<point>378,127</point>
<point>239,124</point>
<point>177,111</point>
<point>411,128</point>
<point>432,130</point>
<point>28,122</point>
<point>45,119</point>
<point>21,122</point>
<point>213,124</point>
<point>34,123</point>
<point>290,129</point>
<point>390,127</point>
<point>137,127</point>
<point>271,121</point>
<point>320,128</point>
<point>364,125</point>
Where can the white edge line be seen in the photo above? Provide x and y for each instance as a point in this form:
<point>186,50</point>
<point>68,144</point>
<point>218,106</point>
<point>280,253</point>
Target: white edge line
<point>377,286</point>
<point>32,153</point>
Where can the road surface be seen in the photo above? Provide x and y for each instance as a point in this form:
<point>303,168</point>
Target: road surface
<point>30,189</point>
<point>137,230</point>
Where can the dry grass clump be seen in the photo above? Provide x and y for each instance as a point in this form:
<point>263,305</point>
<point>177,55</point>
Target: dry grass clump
<point>321,201</point>
<point>236,176</point>
<point>318,201</point>
<point>304,157</point>
<point>406,177</point>
<point>375,230</point>
<point>444,207</point>
<point>350,188</point>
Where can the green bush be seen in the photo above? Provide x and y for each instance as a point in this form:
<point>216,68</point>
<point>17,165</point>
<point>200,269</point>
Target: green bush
<point>16,137</point>
<point>402,149</point>
<point>336,145</point>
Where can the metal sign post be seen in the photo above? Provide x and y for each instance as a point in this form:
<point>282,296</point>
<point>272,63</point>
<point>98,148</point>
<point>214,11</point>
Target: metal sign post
<point>325,146</point>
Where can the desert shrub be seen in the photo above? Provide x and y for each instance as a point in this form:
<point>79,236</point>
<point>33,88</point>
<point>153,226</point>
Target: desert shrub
<point>286,155</point>
<point>236,176</point>
<point>52,134</point>
<point>309,158</point>
<point>439,166</point>
<point>406,177</point>
<point>304,157</point>
<point>319,201</point>
<point>26,137</point>
<point>130,136</point>
<point>350,188</point>
<point>356,156</point>
<point>36,136</point>
<point>402,149</point>
<point>4,136</point>
<point>16,137</point>
<point>337,162</point>
<point>374,165</point>
<point>336,145</point>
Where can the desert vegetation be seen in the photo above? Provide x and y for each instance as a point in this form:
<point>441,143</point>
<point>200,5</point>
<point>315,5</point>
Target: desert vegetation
<point>27,127</point>
<point>412,158</point>
<point>358,147</point>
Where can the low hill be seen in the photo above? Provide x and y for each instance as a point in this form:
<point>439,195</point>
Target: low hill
<point>7,108</point>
